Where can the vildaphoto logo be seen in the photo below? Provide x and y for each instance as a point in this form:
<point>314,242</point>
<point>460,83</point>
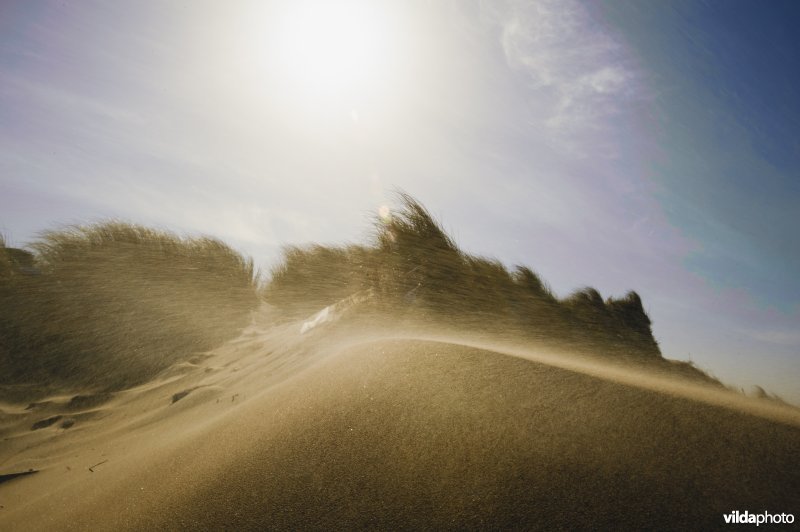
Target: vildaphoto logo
<point>757,519</point>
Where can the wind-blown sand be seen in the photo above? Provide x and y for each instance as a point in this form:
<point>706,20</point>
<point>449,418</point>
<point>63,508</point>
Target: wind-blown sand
<point>279,430</point>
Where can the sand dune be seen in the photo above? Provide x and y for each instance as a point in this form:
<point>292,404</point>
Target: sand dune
<point>278,430</point>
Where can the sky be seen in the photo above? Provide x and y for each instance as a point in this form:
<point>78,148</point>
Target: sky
<point>622,145</point>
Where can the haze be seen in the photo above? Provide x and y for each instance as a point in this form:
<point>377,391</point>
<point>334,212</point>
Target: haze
<point>621,145</point>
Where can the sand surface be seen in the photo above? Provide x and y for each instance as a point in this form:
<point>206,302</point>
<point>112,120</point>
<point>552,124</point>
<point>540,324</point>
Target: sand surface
<point>318,431</point>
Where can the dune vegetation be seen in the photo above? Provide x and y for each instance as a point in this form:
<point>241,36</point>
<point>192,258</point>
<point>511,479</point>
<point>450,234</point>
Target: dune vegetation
<point>416,271</point>
<point>107,306</point>
<point>446,391</point>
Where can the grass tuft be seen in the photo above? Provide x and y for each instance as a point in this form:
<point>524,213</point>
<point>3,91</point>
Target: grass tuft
<point>108,305</point>
<point>418,272</point>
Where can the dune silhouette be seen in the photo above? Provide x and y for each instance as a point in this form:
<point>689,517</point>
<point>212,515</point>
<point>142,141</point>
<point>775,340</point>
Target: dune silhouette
<point>340,432</point>
<point>151,382</point>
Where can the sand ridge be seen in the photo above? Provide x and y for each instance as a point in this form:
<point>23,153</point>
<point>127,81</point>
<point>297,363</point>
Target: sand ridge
<point>279,430</point>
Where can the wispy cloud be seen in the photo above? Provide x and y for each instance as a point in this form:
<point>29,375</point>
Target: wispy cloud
<point>580,76</point>
<point>788,338</point>
<point>60,99</point>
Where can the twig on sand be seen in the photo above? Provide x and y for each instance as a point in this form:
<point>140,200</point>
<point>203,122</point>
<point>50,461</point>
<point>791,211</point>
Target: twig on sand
<point>97,464</point>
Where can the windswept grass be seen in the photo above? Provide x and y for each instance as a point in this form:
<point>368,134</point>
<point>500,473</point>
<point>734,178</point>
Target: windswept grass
<point>109,305</point>
<point>14,261</point>
<point>5,262</point>
<point>313,277</point>
<point>418,272</point>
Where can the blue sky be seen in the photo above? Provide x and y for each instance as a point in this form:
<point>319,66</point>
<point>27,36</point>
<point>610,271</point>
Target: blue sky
<point>624,145</point>
<point>731,123</point>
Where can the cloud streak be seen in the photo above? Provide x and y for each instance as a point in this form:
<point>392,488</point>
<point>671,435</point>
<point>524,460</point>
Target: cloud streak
<point>579,75</point>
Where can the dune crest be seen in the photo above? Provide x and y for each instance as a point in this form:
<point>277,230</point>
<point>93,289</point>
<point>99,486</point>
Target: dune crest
<point>282,430</point>
<point>401,385</point>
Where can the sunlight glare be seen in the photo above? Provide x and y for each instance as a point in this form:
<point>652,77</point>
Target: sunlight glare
<point>332,48</point>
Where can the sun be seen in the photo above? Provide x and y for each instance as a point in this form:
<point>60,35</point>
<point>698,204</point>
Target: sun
<point>312,61</point>
<point>332,48</point>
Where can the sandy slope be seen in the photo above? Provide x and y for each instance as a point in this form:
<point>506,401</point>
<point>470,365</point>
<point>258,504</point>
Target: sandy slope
<point>287,431</point>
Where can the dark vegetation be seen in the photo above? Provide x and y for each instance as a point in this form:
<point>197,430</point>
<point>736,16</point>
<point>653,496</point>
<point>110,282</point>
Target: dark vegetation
<point>103,307</point>
<point>418,273</point>
<point>107,306</point>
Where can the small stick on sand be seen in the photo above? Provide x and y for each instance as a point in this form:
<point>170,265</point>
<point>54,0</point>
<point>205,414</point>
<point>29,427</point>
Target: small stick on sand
<point>100,463</point>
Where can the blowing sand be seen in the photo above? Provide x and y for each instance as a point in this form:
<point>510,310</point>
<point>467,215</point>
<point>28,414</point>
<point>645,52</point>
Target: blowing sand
<point>278,430</point>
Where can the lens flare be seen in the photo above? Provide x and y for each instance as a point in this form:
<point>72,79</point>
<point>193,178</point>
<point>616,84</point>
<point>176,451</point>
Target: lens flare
<point>385,214</point>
